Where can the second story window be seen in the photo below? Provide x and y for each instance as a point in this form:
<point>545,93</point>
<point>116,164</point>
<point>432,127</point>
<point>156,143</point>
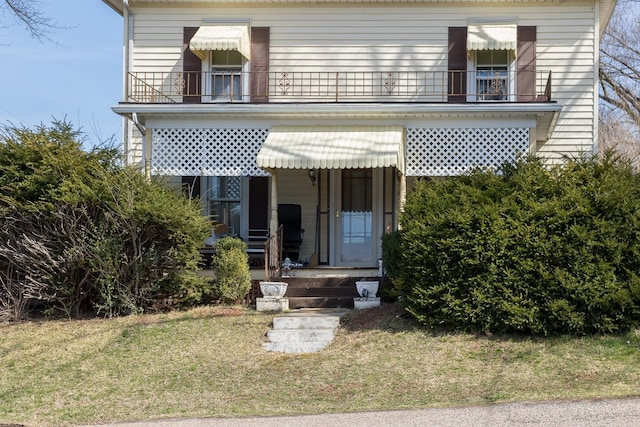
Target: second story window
<point>226,76</point>
<point>492,75</point>
<point>491,47</point>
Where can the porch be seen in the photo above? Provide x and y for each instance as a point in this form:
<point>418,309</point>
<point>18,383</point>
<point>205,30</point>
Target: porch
<point>349,180</point>
<point>348,166</point>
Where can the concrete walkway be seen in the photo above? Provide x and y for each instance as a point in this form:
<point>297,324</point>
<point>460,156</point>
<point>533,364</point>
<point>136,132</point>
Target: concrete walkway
<point>584,413</point>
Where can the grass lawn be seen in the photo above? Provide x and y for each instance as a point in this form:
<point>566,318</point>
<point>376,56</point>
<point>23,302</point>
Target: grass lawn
<point>209,362</point>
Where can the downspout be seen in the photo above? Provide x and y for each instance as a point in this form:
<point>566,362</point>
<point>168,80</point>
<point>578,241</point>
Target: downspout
<point>596,79</point>
<point>126,65</point>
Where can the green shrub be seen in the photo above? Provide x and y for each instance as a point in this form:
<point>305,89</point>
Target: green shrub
<point>231,264</point>
<point>83,233</point>
<point>532,249</point>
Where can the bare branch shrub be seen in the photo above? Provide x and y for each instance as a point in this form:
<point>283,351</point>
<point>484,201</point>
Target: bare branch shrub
<point>81,233</point>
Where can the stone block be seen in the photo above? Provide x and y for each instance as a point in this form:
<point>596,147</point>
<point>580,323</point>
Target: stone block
<point>300,335</point>
<point>362,303</point>
<point>272,304</point>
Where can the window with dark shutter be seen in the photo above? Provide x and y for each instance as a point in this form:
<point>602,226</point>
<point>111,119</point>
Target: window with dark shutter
<point>525,66</point>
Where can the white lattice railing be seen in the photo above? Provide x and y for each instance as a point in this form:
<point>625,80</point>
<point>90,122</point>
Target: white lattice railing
<point>429,151</point>
<point>448,152</point>
<point>207,152</point>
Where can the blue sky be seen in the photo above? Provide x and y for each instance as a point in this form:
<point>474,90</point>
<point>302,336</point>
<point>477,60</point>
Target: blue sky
<point>77,75</point>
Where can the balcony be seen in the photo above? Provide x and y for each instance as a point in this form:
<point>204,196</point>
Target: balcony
<point>343,87</point>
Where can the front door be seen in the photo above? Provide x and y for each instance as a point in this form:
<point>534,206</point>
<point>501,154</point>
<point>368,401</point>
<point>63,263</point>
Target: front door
<point>356,240</point>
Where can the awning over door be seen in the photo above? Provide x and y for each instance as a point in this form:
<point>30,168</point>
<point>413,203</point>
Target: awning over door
<point>221,37</point>
<point>492,36</point>
<point>333,147</point>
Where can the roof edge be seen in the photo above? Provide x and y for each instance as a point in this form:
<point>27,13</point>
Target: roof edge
<point>116,5</point>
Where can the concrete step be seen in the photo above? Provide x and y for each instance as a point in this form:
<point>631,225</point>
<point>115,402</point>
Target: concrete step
<point>306,322</point>
<point>302,347</point>
<point>303,331</point>
<point>300,335</point>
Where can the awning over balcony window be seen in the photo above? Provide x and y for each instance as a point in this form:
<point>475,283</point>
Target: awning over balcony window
<point>333,147</point>
<point>492,36</point>
<point>221,37</point>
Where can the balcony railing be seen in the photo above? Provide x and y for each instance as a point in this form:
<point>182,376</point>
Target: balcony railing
<point>347,86</point>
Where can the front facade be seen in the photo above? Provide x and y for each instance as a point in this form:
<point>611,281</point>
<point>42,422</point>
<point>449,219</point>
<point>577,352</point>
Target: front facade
<point>340,106</point>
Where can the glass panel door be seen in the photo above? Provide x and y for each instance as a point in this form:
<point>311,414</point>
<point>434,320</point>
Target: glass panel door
<point>356,246</point>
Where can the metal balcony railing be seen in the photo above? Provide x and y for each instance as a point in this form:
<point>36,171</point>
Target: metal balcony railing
<point>344,86</point>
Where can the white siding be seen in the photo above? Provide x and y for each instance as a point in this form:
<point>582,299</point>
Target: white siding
<point>387,37</point>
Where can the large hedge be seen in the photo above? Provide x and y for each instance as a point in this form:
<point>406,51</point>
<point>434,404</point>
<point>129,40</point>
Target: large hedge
<point>532,248</point>
<point>82,233</point>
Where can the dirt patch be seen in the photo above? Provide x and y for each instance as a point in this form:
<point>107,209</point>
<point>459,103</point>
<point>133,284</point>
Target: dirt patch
<point>387,316</point>
<point>228,311</point>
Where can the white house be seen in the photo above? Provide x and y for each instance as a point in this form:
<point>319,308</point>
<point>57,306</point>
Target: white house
<point>338,106</point>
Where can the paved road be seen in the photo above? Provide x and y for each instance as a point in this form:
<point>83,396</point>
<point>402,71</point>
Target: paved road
<point>584,413</point>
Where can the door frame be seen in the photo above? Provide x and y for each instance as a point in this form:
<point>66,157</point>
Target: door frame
<point>335,220</point>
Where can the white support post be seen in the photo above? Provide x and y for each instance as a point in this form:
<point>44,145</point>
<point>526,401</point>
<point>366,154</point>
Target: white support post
<point>273,217</point>
<point>274,246</point>
<point>403,194</point>
<point>147,152</point>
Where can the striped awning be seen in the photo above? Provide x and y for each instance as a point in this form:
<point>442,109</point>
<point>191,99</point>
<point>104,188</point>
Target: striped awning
<point>492,36</point>
<point>333,147</point>
<point>221,37</point>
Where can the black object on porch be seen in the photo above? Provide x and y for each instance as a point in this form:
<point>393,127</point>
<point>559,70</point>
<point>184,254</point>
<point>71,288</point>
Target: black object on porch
<point>290,217</point>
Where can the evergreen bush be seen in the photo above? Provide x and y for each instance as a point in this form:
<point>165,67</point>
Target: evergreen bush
<point>531,248</point>
<point>231,265</point>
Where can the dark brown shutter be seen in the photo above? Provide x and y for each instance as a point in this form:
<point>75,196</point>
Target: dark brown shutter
<point>192,68</point>
<point>260,64</point>
<point>526,64</point>
<point>457,64</point>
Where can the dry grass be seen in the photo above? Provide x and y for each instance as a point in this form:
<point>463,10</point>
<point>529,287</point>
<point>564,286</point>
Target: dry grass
<point>210,362</point>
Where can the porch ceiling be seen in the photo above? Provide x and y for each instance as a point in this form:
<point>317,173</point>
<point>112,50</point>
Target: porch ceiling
<point>333,147</point>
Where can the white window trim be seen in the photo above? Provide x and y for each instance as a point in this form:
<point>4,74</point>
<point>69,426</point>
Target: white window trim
<point>207,88</point>
<point>472,90</point>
